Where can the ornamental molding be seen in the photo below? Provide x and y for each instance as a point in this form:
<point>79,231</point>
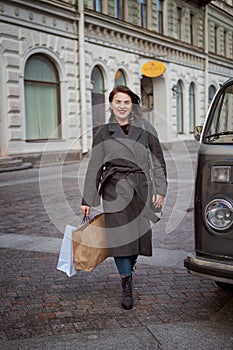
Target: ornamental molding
<point>33,16</point>
<point>221,6</point>
<point>217,67</point>
<point>143,45</point>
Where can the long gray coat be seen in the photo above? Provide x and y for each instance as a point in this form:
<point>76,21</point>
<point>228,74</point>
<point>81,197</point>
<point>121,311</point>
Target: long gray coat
<point>118,172</point>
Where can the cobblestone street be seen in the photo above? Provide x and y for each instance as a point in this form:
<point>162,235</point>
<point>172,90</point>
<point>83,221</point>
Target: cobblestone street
<point>39,301</point>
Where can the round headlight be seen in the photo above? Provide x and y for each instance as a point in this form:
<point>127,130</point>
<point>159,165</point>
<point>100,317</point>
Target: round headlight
<point>219,214</point>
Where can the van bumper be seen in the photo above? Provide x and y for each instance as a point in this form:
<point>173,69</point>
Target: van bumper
<point>214,269</point>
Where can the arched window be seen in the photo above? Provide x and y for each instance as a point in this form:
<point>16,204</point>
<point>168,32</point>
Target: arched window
<point>42,99</point>
<point>98,100</point>
<point>192,111</point>
<point>179,108</point>
<point>211,93</point>
<point>120,78</point>
<point>97,80</point>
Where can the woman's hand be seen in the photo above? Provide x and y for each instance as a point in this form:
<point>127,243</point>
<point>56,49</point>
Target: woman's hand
<point>85,210</point>
<point>158,200</point>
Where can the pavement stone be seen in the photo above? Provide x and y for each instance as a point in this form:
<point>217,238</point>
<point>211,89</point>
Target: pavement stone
<point>140,337</point>
<point>41,308</point>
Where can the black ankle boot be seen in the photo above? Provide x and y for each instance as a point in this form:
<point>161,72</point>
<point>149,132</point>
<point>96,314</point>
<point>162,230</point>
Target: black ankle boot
<point>127,293</point>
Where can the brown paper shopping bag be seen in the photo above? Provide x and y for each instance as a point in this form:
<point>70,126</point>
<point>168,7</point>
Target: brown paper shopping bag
<point>89,244</point>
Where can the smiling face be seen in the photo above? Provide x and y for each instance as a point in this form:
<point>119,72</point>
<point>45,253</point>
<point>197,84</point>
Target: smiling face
<point>121,106</point>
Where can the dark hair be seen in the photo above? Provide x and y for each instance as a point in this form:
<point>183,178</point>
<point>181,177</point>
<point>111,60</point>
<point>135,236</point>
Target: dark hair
<point>136,109</point>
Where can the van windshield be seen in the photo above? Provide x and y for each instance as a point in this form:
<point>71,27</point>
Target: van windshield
<point>220,129</point>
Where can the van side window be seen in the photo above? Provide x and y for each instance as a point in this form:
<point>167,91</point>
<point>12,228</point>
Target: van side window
<point>220,128</point>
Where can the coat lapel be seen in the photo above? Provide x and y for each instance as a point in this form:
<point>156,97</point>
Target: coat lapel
<point>135,132</point>
<point>116,131</point>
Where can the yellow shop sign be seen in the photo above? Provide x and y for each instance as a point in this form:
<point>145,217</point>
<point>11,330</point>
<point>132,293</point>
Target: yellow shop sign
<point>153,69</point>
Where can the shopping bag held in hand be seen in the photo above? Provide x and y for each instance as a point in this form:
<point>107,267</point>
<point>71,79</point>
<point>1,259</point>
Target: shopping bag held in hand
<point>65,260</point>
<point>90,244</point>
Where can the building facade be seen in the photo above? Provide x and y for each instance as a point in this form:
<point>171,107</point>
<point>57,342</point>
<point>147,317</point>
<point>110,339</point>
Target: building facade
<point>59,59</point>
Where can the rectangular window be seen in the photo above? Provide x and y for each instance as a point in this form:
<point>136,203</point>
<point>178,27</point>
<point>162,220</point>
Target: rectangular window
<point>160,16</point>
<point>98,5</point>
<point>41,111</point>
<point>144,13</point>
<point>225,43</point>
<point>179,23</point>
<point>120,9</point>
<point>191,29</point>
<point>216,39</point>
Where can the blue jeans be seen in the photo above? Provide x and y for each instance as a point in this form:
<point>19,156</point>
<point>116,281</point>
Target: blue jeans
<point>125,264</point>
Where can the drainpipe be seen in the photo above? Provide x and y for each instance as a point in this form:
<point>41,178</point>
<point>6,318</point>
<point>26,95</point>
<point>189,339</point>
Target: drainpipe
<point>82,81</point>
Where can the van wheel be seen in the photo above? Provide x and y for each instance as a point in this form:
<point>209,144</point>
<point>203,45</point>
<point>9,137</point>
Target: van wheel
<point>224,285</point>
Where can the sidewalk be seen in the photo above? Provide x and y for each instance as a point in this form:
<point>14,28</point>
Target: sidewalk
<point>41,308</point>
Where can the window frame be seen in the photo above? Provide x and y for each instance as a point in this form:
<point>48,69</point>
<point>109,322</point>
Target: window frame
<point>143,12</point>
<point>192,108</point>
<point>120,9</point>
<point>225,43</point>
<point>216,35</point>
<point>160,9</point>
<point>97,98</point>
<point>26,82</point>
<point>122,76</point>
<point>98,5</point>
<point>192,28</point>
<point>211,92</point>
<point>179,108</point>
<point>179,22</point>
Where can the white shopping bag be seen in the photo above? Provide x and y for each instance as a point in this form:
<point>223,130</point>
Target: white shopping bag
<point>65,260</point>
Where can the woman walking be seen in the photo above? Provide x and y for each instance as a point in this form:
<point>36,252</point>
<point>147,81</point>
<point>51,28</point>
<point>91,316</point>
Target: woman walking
<point>119,173</point>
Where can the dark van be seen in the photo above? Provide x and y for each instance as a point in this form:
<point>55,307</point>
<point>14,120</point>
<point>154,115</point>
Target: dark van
<point>213,204</point>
